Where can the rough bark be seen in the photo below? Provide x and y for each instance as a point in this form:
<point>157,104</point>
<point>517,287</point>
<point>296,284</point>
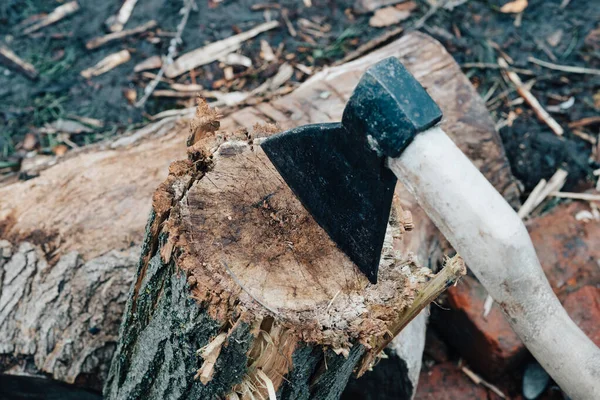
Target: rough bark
<point>86,208</point>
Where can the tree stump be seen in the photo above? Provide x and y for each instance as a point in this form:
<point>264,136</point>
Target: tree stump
<point>77,227</point>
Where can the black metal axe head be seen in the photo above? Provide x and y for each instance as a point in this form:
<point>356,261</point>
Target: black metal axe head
<point>337,170</point>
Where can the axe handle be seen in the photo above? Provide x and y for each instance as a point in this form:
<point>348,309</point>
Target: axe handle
<point>495,244</point>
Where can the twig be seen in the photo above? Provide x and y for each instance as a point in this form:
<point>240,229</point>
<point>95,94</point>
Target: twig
<point>56,15</point>
<point>480,381</point>
<point>12,61</point>
<point>588,138</point>
<point>497,66</point>
<point>107,63</point>
<point>564,68</point>
<point>153,62</point>
<point>117,22</point>
<point>432,10</point>
<point>531,100</point>
<point>288,23</point>
<point>577,196</point>
<point>584,122</point>
<point>102,40</point>
<point>370,45</point>
<point>214,51</point>
<point>187,8</point>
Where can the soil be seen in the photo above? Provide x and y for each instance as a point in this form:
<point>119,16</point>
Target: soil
<point>473,32</point>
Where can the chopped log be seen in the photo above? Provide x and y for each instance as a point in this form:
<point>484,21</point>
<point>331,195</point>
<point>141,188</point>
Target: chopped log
<point>87,207</point>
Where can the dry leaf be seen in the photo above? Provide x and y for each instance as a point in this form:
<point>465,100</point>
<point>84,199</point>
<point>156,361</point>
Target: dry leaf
<point>29,142</point>
<point>388,16</point>
<point>515,7</point>
<point>130,95</point>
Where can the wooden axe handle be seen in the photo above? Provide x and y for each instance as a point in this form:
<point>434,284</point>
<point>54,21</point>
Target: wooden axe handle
<point>495,244</point>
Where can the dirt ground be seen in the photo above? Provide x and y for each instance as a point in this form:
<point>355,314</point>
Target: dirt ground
<point>475,32</point>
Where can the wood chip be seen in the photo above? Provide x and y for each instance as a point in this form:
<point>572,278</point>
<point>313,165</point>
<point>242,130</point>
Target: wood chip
<point>388,16</point>
<point>266,52</point>
<point>228,73</point>
<point>60,150</point>
<point>531,100</point>
<point>56,15</point>
<point>130,95</point>
<point>102,40</point>
<point>214,51</point>
<point>12,61</point>
<point>29,142</point>
<point>153,62</point>
<point>367,6</point>
<point>96,123</point>
<point>107,63</point>
<point>304,69</point>
<point>117,22</point>
<point>65,126</point>
<point>186,87</point>
<point>555,38</point>
<point>514,7</point>
<point>210,354</point>
<point>237,59</point>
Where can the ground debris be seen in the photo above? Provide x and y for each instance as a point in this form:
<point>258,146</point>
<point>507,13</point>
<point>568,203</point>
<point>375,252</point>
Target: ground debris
<point>214,51</point>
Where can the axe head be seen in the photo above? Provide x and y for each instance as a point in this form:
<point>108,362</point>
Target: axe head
<point>347,190</point>
<point>338,171</point>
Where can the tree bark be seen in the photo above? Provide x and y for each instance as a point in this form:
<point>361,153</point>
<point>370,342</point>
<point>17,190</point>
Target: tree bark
<point>86,213</point>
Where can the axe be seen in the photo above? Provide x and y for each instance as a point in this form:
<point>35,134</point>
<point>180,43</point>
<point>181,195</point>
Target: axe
<point>345,173</point>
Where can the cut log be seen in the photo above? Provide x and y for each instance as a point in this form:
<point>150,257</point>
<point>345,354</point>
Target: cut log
<point>238,283</point>
<point>87,206</point>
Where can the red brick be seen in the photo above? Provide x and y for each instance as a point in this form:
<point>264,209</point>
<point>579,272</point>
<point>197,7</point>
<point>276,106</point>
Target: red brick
<point>584,308</point>
<point>489,345</point>
<point>447,382</point>
<point>569,250</point>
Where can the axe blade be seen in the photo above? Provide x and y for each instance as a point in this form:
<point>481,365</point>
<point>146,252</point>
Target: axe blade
<point>345,188</point>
